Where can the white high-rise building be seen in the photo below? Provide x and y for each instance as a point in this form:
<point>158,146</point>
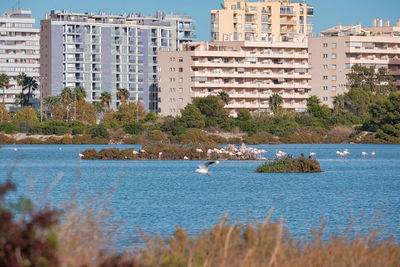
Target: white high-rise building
<point>19,50</point>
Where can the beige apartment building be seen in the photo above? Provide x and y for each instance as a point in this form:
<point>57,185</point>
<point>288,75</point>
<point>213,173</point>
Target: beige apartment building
<point>339,48</point>
<point>250,72</point>
<point>261,20</point>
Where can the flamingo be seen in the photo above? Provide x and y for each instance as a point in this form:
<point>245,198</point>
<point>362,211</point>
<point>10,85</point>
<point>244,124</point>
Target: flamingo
<point>364,154</point>
<point>373,154</point>
<point>134,152</point>
<point>80,155</point>
<point>159,155</point>
<point>142,151</point>
<point>15,149</point>
<point>312,154</point>
<point>185,158</point>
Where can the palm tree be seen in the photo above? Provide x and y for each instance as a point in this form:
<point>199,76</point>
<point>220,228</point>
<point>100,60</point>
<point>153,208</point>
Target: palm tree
<point>224,97</point>
<point>338,104</point>
<point>50,101</point>
<point>4,81</point>
<point>105,98</point>
<point>66,96</point>
<point>19,99</point>
<point>31,84</point>
<point>123,94</point>
<point>275,102</point>
<point>80,93</point>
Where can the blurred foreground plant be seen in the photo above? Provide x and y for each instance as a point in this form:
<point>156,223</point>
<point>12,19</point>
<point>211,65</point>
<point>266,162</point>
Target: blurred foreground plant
<point>28,239</point>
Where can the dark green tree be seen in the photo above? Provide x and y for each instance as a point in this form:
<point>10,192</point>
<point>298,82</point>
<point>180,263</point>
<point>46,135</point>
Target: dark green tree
<point>213,110</point>
<point>192,117</point>
<point>385,116</point>
<point>244,115</point>
<point>313,100</point>
<point>357,101</point>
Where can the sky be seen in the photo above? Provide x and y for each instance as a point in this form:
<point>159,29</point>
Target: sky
<point>328,13</point>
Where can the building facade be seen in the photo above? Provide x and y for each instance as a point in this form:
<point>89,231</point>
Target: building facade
<point>249,72</point>
<point>19,51</point>
<point>104,53</point>
<point>260,20</point>
<point>339,48</point>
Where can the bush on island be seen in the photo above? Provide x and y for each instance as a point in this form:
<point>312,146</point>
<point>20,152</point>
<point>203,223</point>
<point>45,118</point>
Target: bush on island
<point>290,165</point>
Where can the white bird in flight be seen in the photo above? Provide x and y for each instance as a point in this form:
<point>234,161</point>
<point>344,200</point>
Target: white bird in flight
<point>203,168</point>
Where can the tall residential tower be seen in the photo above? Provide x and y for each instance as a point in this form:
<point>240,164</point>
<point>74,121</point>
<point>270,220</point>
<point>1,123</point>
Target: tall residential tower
<point>104,53</point>
<point>19,50</point>
<point>259,20</point>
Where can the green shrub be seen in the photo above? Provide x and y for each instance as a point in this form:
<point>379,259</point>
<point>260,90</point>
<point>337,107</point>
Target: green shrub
<point>134,128</point>
<point>99,131</point>
<point>7,127</point>
<point>178,130</point>
<point>77,127</point>
<point>290,165</point>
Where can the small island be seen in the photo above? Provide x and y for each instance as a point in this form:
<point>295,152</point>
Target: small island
<point>290,165</point>
<point>176,152</point>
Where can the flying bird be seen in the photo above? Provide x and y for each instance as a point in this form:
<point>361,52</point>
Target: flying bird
<point>203,168</point>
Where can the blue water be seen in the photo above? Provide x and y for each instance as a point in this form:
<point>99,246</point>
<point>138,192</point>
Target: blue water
<point>158,195</point>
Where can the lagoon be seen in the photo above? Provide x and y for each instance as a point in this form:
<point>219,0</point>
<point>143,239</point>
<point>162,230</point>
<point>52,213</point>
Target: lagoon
<point>159,195</point>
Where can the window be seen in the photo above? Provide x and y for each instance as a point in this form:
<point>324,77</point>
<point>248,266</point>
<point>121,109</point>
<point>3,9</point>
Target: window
<point>180,59</point>
<point>334,78</point>
<point>180,80</point>
<point>333,55</point>
<point>333,45</point>
<point>325,77</point>
<point>180,90</point>
<point>334,66</point>
<point>325,45</point>
<point>325,98</point>
<point>180,100</point>
<point>325,88</point>
<point>325,55</point>
<point>333,88</point>
<point>180,69</point>
<point>325,66</point>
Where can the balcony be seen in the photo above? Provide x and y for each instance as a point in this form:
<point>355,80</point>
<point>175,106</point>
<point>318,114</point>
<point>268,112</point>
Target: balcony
<point>288,22</point>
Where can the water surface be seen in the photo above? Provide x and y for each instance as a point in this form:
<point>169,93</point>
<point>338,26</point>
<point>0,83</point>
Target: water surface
<point>158,195</point>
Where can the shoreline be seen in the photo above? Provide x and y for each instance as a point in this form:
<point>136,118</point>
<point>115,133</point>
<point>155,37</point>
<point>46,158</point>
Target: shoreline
<point>84,139</point>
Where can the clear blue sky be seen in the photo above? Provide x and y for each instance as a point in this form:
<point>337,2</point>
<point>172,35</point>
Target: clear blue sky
<point>327,12</point>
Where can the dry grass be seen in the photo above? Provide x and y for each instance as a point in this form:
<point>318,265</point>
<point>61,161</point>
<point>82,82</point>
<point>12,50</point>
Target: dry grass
<point>266,244</point>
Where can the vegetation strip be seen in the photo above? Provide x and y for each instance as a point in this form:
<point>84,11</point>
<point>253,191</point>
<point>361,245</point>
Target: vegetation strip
<point>289,164</point>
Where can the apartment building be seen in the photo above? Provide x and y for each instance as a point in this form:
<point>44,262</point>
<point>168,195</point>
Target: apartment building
<point>104,53</point>
<point>250,72</point>
<point>259,20</point>
<point>19,50</point>
<point>339,48</point>
<point>184,29</point>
